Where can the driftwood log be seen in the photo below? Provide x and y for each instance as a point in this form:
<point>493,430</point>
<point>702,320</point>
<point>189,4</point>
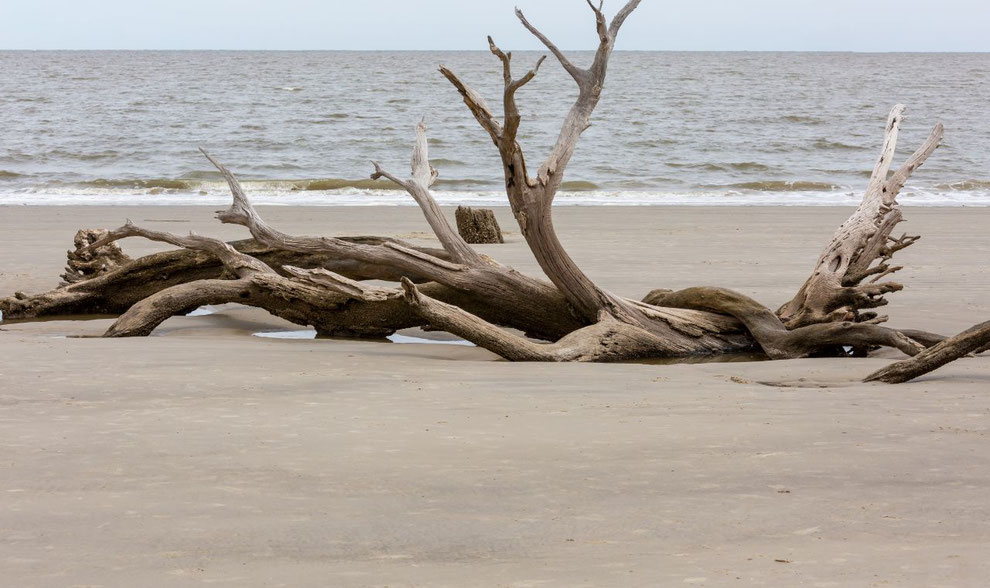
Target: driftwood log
<point>323,281</point>
<point>477,225</point>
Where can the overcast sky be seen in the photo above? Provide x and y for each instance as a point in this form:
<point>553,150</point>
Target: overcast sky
<point>786,25</point>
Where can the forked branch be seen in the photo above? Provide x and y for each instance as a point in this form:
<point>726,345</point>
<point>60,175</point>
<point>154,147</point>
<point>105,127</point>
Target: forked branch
<point>531,198</point>
<point>477,105</point>
<point>413,262</point>
<point>240,264</point>
<point>418,186</point>
<point>501,294</point>
<point>576,72</point>
<point>590,82</point>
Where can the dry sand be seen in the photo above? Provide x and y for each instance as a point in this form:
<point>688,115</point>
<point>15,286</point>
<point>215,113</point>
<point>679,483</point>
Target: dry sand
<point>205,455</point>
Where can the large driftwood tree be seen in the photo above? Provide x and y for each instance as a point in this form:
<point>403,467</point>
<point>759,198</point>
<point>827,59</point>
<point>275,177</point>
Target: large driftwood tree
<point>323,281</point>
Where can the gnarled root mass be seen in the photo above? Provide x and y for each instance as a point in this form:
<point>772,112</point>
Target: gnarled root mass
<point>323,281</point>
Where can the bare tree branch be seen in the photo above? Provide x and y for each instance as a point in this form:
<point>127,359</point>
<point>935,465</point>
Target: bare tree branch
<point>878,179</point>
<point>418,186</point>
<point>509,148</point>
<point>918,158</point>
<point>620,17</point>
<point>531,199</point>
<point>423,174</point>
<point>975,338</point>
<point>338,283</point>
<point>477,105</point>
<point>600,25</point>
<point>487,287</point>
<point>242,212</point>
<point>238,263</point>
<point>579,75</point>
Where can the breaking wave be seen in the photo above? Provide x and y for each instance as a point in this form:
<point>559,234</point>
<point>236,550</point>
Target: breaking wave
<point>329,184</point>
<point>807,120</point>
<point>965,186</point>
<point>749,166</point>
<point>441,162</point>
<point>782,186</point>
<point>578,186</point>
<point>835,145</point>
<point>146,184</point>
<point>720,167</point>
<point>208,188</point>
<point>210,181</point>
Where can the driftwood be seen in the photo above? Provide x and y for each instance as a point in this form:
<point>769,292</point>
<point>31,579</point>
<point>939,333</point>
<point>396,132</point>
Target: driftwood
<point>862,247</point>
<point>973,340</point>
<point>114,289</point>
<point>85,263</point>
<point>323,281</point>
<point>477,225</point>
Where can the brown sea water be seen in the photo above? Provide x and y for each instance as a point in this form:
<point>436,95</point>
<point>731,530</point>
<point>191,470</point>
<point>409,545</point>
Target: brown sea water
<point>302,127</point>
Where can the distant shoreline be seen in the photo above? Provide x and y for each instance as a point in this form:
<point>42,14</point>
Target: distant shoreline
<point>494,198</point>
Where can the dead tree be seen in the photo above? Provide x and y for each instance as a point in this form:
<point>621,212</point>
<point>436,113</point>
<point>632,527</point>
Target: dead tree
<point>319,281</point>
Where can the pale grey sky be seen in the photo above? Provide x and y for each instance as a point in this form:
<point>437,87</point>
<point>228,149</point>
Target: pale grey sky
<point>787,25</point>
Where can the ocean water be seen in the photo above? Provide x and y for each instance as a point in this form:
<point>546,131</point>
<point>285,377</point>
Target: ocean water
<point>302,127</point>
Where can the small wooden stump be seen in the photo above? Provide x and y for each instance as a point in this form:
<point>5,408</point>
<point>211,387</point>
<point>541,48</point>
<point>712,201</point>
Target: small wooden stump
<point>478,225</point>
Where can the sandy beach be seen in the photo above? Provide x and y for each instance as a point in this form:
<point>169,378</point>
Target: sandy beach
<point>205,455</point>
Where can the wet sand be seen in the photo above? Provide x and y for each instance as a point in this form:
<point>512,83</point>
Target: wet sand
<point>205,455</point>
